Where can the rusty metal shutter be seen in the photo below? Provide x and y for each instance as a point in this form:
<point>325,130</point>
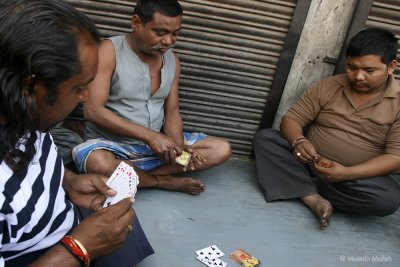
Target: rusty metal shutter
<point>229,50</point>
<point>386,14</point>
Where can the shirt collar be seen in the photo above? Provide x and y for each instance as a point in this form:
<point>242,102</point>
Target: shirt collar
<point>392,86</point>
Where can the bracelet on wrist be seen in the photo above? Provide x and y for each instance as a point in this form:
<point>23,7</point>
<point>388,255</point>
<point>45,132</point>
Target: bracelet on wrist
<point>298,141</point>
<point>76,249</point>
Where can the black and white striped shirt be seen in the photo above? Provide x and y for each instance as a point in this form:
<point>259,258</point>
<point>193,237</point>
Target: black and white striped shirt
<point>35,213</point>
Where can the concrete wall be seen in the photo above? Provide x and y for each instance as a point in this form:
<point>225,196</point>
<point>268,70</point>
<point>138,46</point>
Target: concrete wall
<point>323,35</point>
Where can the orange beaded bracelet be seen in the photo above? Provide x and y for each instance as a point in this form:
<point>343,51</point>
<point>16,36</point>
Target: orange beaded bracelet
<point>76,249</point>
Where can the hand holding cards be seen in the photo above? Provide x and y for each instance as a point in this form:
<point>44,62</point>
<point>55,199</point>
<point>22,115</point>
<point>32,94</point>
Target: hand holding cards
<point>124,181</point>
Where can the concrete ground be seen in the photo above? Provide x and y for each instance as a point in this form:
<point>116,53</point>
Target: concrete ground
<point>232,214</point>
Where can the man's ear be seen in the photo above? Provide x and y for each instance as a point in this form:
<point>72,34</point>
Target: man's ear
<point>135,23</point>
<point>29,88</point>
<point>392,67</point>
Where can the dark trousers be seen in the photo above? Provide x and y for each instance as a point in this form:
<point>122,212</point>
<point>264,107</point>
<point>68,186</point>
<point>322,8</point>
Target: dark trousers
<point>282,176</point>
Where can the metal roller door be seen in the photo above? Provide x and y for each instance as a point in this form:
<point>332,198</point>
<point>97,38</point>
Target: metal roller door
<point>386,14</point>
<point>229,51</point>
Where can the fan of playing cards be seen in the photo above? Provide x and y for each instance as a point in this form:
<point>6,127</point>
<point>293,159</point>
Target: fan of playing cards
<point>124,180</point>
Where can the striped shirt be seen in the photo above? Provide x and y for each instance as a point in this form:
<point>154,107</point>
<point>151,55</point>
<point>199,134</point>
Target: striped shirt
<point>35,213</point>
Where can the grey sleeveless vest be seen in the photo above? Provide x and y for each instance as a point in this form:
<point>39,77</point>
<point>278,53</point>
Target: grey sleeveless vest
<point>130,93</point>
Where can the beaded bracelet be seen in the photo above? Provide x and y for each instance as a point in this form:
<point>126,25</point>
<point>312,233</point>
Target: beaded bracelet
<point>298,141</point>
<point>76,249</point>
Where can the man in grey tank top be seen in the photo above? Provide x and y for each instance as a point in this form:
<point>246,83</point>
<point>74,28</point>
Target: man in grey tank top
<point>133,112</point>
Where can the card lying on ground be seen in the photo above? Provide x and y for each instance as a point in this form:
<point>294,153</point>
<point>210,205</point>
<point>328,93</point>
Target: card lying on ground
<point>210,256</point>
<point>124,180</point>
<point>212,263</point>
<point>184,158</point>
<point>244,259</point>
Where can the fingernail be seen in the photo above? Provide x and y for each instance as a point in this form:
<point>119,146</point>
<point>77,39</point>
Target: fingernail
<point>112,191</point>
<point>99,208</point>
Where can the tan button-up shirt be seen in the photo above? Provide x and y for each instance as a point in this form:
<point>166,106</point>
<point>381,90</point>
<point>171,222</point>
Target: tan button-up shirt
<point>344,133</point>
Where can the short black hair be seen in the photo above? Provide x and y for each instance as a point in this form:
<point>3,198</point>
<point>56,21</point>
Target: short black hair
<point>373,41</point>
<point>145,9</point>
<point>39,40</point>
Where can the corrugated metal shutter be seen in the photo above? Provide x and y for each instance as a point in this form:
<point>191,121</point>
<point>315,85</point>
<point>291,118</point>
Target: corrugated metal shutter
<point>229,50</point>
<point>386,14</point>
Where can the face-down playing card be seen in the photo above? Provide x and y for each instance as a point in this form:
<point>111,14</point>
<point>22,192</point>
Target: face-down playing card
<point>124,180</point>
<point>244,258</point>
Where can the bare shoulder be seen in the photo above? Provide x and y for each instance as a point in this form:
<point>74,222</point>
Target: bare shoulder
<point>176,56</point>
<point>177,63</point>
<point>107,49</point>
<point>107,54</point>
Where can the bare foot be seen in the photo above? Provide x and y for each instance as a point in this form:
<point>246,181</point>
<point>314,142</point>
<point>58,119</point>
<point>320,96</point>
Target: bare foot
<point>186,185</point>
<point>321,207</point>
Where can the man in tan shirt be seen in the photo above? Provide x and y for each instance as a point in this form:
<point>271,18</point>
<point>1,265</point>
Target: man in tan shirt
<point>351,145</point>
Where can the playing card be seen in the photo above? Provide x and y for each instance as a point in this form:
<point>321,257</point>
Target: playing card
<point>323,162</point>
<point>244,258</point>
<point>218,263</point>
<point>212,263</point>
<point>210,253</point>
<point>206,262</point>
<point>124,180</point>
<point>184,158</point>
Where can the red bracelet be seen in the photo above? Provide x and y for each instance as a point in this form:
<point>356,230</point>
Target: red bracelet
<point>76,249</point>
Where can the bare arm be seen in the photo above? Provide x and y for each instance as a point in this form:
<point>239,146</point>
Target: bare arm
<point>378,166</point>
<point>173,120</point>
<point>86,190</point>
<point>97,235</point>
<point>57,255</point>
<point>95,110</point>
<point>173,126</point>
<point>292,131</point>
<point>101,233</point>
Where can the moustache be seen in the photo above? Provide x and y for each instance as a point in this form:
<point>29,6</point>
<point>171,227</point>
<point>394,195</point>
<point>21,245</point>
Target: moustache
<point>160,46</point>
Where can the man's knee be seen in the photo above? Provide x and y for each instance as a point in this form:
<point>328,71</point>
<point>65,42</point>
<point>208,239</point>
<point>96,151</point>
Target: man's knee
<point>378,196</point>
<point>388,200</point>
<point>221,149</point>
<point>266,140</point>
<point>101,162</point>
<point>382,202</point>
<point>225,150</point>
<point>386,205</point>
